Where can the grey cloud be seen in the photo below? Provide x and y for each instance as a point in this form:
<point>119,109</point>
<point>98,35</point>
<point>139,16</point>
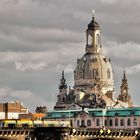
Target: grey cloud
<point>133,69</point>
<point>123,54</point>
<point>67,68</point>
<point>42,37</point>
<point>27,13</point>
<point>30,66</point>
<point>24,96</point>
<point>39,35</point>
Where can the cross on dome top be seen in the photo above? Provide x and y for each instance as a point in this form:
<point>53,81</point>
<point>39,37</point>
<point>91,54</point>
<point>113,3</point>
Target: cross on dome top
<point>93,13</point>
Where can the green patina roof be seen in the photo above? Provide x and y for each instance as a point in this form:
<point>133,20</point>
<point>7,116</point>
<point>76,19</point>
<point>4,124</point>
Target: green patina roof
<point>62,114</point>
<point>120,112</point>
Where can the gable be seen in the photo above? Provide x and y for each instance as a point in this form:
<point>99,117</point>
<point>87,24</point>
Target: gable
<point>74,106</point>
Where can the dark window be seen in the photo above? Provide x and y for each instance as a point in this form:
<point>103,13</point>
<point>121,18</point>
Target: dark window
<point>105,122</point>
<point>116,122</point>
<point>88,122</point>
<point>135,121</point>
<point>94,73</point>
<point>98,122</point>
<point>11,125</point>
<point>108,74</point>
<point>63,99</point>
<point>110,122</point>
<point>83,123</point>
<point>78,123</point>
<point>129,122</point>
<point>122,122</point>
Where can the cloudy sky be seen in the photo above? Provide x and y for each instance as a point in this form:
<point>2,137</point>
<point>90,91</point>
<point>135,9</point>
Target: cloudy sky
<point>39,38</point>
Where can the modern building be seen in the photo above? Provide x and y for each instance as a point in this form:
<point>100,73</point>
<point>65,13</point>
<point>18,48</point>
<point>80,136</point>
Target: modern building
<point>11,110</point>
<point>93,78</point>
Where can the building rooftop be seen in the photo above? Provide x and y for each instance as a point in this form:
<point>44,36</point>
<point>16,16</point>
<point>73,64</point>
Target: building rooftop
<point>120,112</point>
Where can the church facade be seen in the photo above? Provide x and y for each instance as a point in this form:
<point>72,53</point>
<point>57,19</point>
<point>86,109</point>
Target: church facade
<point>93,78</point>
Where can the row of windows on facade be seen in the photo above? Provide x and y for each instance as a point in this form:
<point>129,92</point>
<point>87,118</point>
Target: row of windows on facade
<point>95,74</point>
<point>109,122</point>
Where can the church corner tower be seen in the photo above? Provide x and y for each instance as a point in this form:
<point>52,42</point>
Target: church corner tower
<point>63,85</point>
<point>65,96</point>
<point>93,73</point>
<point>124,95</point>
<point>61,97</point>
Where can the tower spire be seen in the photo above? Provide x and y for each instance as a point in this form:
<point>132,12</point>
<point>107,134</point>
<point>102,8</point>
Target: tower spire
<point>62,81</point>
<point>124,96</point>
<point>124,75</point>
<point>61,97</point>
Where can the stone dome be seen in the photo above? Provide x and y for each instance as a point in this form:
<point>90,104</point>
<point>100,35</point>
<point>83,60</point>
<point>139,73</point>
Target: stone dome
<point>92,70</point>
<point>93,73</point>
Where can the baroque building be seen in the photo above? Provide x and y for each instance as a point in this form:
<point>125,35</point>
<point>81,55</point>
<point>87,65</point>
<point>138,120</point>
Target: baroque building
<point>93,78</point>
<point>124,95</point>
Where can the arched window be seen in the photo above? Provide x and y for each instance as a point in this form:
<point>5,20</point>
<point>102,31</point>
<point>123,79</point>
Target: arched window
<point>98,39</point>
<point>135,121</point>
<point>108,74</point>
<point>78,123</point>
<point>129,122</point>
<point>95,73</point>
<point>88,122</point>
<point>63,99</point>
<point>98,122</point>
<point>105,122</point>
<point>90,40</point>
<point>116,122</point>
<point>110,122</point>
<point>122,122</point>
<point>83,123</point>
<point>81,75</point>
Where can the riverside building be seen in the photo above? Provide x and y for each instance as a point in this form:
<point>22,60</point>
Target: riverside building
<point>91,102</point>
